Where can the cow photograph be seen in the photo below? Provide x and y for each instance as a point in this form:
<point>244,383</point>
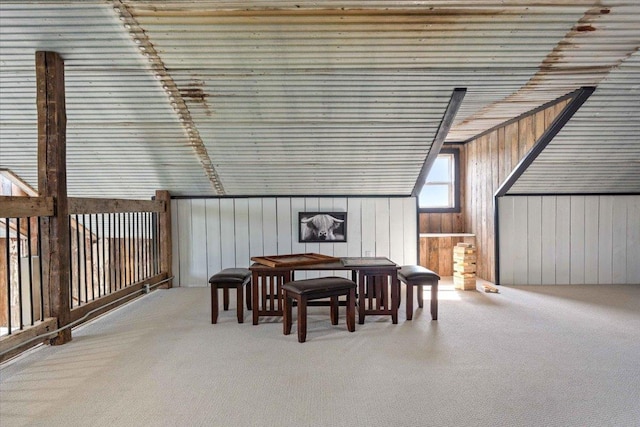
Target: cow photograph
<point>322,227</point>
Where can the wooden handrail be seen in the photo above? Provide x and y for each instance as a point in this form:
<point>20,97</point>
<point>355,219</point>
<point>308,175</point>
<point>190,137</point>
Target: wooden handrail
<point>21,207</point>
<point>79,205</point>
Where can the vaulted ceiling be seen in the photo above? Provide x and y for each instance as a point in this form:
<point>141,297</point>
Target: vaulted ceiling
<point>306,98</point>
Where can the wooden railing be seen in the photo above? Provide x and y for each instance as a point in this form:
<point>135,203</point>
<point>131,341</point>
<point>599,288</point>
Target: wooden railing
<point>116,250</point>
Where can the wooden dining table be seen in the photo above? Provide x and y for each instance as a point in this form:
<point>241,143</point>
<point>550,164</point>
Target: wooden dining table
<point>376,277</point>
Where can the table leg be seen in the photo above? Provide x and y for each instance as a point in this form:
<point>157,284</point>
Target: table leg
<point>254,295</point>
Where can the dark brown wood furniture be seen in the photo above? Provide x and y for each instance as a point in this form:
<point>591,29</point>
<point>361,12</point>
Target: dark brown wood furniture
<point>227,278</point>
<point>416,275</point>
<point>312,289</point>
<point>370,273</point>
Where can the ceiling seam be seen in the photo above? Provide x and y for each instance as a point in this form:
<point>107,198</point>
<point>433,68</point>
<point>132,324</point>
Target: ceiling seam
<point>178,104</point>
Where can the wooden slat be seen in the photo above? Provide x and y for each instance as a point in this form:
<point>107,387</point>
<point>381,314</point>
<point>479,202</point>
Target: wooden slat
<point>21,207</point>
<point>96,206</point>
<point>9,341</point>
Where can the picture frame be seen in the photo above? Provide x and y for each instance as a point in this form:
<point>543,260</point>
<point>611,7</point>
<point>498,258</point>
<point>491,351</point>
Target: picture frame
<point>322,227</point>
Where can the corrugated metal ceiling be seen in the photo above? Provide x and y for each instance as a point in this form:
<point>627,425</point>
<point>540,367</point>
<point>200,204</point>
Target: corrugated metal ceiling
<point>302,98</point>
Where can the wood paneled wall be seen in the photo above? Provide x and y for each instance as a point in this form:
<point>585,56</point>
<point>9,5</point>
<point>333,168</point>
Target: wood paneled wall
<point>553,240</point>
<point>436,251</point>
<point>489,161</point>
<point>211,234</point>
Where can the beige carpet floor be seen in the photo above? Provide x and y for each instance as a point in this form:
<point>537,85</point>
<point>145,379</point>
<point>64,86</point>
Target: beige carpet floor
<point>528,356</point>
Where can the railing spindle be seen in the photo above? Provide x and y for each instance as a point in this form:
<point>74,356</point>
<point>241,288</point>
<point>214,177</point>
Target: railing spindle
<point>8,255</point>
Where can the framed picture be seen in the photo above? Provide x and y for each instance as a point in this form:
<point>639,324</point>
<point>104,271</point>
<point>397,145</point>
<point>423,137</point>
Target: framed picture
<point>322,227</point>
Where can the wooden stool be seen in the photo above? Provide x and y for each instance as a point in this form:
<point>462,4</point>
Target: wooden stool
<point>230,278</point>
<point>311,289</point>
<point>416,275</point>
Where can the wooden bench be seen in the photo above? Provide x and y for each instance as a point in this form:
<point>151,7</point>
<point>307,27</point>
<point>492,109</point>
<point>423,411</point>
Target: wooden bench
<point>416,275</point>
<point>325,287</point>
<point>230,278</point>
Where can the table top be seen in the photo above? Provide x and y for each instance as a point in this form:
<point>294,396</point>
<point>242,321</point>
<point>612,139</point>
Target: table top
<point>345,263</point>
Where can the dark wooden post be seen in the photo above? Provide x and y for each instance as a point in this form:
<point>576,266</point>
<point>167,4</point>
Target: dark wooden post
<point>165,235</point>
<point>52,181</point>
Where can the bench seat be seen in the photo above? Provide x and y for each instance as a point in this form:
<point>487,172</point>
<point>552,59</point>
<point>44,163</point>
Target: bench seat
<point>417,275</point>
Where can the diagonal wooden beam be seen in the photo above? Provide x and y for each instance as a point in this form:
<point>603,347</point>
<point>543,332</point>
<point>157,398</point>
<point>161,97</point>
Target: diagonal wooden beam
<point>579,98</point>
<point>445,125</point>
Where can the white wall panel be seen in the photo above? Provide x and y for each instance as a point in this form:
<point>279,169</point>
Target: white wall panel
<point>507,236</point>
<point>198,264</point>
<point>183,237</point>
<point>242,240</point>
<point>521,252</point>
<point>214,260</point>
<point>577,239</point>
<point>227,234</point>
<point>211,234</point>
<point>283,221</point>
<point>410,228</point>
<point>534,240</point>
<point>354,227</point>
<point>382,227</point>
<point>563,240</point>
<point>297,205</point>
<point>175,243</point>
<point>605,240</point>
<point>591,209</point>
<point>269,227</point>
<point>396,229</point>
<point>548,237</point>
<point>633,240</point>
<point>256,245</point>
<point>619,243</point>
<point>581,240</point>
<point>368,227</point>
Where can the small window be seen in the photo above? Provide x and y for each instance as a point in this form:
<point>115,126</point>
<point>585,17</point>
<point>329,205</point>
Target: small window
<point>441,191</point>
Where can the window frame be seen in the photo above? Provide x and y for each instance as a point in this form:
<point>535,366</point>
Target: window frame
<point>457,208</point>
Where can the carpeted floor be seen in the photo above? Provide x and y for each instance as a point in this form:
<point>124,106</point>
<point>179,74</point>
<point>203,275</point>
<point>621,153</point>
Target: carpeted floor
<point>528,356</point>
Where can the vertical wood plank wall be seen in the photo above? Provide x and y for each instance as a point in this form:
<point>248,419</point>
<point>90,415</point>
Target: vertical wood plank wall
<point>489,161</point>
<point>555,240</point>
<point>436,252</point>
<point>216,233</point>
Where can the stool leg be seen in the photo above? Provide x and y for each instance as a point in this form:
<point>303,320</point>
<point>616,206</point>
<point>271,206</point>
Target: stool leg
<point>225,298</point>
<point>421,296</point>
<point>240,302</point>
<point>409,303</point>
<point>351,310</point>
<point>434,301</point>
<point>255,303</point>
<point>214,304</point>
<point>395,296</point>
<point>286,314</point>
<point>302,319</point>
<point>334,310</point>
